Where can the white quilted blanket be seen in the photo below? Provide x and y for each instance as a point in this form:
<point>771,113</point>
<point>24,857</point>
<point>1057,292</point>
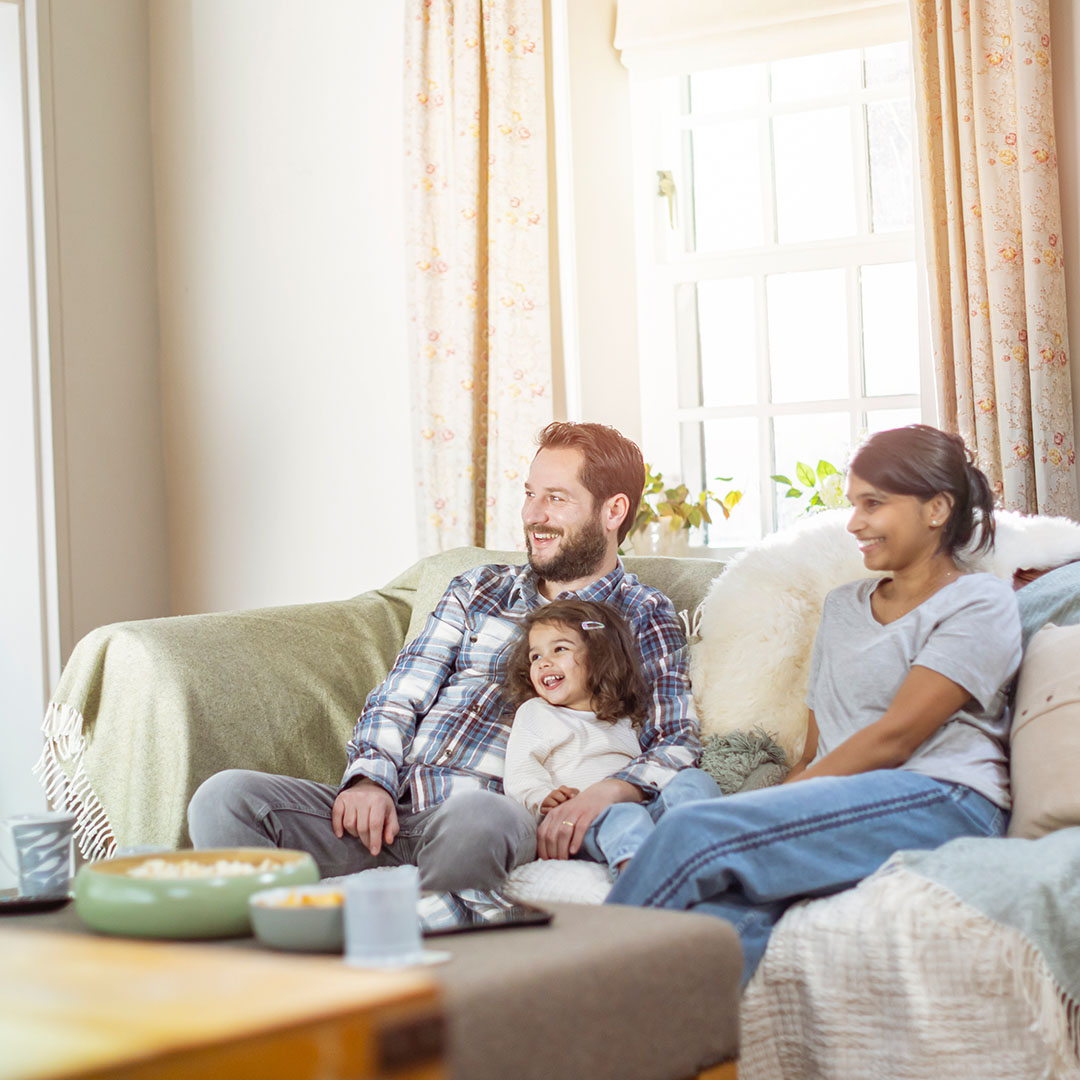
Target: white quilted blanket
<point>899,979</point>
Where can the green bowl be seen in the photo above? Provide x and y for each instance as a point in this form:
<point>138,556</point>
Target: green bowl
<point>110,900</point>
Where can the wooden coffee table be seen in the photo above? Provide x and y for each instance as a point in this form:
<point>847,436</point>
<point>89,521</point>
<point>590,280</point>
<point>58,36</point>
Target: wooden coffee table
<point>83,1006</point>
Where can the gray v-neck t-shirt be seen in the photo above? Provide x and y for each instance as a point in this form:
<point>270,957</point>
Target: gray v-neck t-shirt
<point>968,631</point>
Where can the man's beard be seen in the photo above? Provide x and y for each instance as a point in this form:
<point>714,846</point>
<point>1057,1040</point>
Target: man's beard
<point>581,553</point>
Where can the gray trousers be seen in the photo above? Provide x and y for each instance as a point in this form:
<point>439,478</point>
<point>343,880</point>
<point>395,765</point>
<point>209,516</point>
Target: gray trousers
<point>470,841</point>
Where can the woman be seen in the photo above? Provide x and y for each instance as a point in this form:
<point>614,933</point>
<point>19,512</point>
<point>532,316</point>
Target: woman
<point>906,736</point>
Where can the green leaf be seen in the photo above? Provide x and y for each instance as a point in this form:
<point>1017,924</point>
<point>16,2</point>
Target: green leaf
<point>794,493</point>
<point>726,479</point>
<point>781,479</point>
<point>694,516</point>
<point>805,474</point>
<point>826,468</point>
<point>816,500</point>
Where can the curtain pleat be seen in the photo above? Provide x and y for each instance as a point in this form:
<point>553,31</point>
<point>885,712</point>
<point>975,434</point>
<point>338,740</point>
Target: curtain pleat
<point>479,332</point>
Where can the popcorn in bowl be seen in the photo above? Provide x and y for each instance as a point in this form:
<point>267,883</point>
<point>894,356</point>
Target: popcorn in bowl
<point>294,898</point>
<point>191,868</point>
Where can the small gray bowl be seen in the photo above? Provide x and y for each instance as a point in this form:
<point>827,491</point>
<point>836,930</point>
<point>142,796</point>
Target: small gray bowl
<point>299,927</point>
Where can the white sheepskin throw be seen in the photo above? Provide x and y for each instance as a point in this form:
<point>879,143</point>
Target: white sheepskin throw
<point>1029,543</point>
<point>758,621</point>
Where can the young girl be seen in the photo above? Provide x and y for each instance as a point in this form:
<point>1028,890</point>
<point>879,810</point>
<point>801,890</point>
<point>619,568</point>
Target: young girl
<point>907,726</point>
<point>574,676</point>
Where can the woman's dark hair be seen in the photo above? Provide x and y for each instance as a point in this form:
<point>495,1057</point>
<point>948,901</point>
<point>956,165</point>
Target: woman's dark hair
<point>922,461</point>
<point>613,677</point>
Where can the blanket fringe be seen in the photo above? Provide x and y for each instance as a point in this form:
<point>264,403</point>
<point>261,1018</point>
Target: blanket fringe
<point>691,622</point>
<point>67,787</point>
<point>1055,1011</point>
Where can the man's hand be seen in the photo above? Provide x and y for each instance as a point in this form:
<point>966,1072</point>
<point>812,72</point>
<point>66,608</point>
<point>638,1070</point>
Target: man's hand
<point>367,812</point>
<point>560,834</point>
<point>559,795</point>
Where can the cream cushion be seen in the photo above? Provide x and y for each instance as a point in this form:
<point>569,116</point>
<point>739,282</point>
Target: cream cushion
<point>1045,735</point>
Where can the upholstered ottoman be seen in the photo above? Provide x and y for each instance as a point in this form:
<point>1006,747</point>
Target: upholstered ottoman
<point>602,992</point>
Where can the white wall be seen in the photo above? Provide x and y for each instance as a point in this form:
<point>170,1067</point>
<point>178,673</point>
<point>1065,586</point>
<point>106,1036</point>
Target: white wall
<point>1065,51</point>
<point>104,340</point>
<point>280,224</point>
<point>604,256</point>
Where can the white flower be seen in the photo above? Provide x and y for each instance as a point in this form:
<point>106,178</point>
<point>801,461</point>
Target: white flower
<point>832,492</point>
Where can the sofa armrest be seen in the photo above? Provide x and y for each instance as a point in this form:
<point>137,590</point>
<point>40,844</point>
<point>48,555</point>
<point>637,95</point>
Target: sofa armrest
<point>145,711</point>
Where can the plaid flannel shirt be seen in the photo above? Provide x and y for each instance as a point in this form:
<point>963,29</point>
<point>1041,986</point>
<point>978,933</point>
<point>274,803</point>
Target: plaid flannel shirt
<point>439,722</point>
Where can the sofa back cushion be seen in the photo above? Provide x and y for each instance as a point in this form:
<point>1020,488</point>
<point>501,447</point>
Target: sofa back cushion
<point>1045,738</point>
<point>683,581</point>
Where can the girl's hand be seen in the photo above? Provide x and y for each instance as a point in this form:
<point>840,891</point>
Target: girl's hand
<point>559,795</point>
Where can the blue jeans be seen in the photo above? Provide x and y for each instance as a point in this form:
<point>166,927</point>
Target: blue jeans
<point>622,828</point>
<point>747,857</point>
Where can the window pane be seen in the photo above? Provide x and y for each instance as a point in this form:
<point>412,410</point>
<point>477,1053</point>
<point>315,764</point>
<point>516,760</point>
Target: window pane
<point>883,419</point>
<point>890,318</point>
<point>726,332</point>
<point>888,64</point>
<point>815,184</point>
<point>731,449</point>
<point>726,89</point>
<point>805,77</point>
<point>810,439</point>
<point>808,349</point>
<point>892,195</point>
<point>727,186</point>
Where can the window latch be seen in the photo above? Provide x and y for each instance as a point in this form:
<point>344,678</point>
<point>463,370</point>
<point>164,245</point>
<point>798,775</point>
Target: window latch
<point>666,187</point>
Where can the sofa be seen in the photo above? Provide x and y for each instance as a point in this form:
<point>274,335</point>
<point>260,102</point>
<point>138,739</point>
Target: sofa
<point>145,711</point>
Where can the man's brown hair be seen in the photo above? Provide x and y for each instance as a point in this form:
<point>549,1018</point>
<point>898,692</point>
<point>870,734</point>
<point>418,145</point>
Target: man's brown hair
<point>611,463</point>
<point>614,671</point>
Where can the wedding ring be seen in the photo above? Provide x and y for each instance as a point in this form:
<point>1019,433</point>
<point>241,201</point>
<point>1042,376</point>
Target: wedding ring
<point>570,823</point>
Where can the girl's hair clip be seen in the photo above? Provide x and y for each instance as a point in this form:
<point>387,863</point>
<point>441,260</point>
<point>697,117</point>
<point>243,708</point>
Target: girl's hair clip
<point>591,624</point>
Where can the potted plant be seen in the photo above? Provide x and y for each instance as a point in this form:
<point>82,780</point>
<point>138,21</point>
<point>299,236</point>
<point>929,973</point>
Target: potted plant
<point>666,515</point>
<point>824,485</point>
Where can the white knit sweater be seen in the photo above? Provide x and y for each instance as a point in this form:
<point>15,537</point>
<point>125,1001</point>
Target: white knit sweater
<point>550,746</point>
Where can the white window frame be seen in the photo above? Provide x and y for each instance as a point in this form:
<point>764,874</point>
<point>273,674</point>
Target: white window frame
<point>666,260</point>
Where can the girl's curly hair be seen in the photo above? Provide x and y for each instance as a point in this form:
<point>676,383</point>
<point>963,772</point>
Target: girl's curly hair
<point>613,674</point>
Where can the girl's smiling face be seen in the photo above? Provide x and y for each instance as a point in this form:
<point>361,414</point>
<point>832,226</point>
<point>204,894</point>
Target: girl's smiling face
<point>558,666</point>
<point>894,531</point>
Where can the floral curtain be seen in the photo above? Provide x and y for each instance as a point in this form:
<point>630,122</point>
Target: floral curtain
<point>994,244</point>
<point>479,334</point>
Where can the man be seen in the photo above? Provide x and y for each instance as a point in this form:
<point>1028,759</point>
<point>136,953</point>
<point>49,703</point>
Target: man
<point>423,783</point>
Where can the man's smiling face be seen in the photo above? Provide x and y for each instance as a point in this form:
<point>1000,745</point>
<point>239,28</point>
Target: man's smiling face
<point>563,532</point>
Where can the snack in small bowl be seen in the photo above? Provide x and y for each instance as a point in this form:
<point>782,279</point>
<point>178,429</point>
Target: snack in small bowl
<point>184,894</point>
<point>307,918</point>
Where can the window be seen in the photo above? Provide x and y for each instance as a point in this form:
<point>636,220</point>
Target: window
<point>780,309</point>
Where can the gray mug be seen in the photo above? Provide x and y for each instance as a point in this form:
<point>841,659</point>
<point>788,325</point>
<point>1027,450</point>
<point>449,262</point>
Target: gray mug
<point>43,849</point>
